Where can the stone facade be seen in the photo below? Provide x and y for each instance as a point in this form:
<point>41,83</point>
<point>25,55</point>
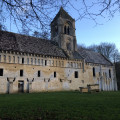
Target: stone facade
<point>29,64</point>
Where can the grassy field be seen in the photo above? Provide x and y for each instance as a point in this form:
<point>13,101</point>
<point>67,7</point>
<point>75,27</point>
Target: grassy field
<point>60,106</point>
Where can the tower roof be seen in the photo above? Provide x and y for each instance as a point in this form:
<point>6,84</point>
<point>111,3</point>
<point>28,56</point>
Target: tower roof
<point>62,13</point>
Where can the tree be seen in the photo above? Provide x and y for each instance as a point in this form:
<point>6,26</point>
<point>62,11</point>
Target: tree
<point>81,46</point>
<point>109,50</point>
<point>43,35</point>
<point>117,67</point>
<point>38,14</point>
<point>2,27</point>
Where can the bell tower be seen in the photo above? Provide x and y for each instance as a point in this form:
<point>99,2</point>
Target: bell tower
<point>63,32</point>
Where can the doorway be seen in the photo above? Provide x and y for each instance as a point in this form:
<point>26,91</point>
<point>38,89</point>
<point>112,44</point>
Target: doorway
<point>20,86</point>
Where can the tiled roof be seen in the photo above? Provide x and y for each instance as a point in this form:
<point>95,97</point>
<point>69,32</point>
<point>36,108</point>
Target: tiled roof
<point>93,57</point>
<point>27,44</point>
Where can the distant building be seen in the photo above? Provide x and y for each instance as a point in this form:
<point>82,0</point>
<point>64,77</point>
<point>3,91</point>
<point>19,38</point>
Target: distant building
<point>29,64</point>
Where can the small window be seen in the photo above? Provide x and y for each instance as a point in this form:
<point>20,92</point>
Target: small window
<point>21,73</point>
<point>4,58</point>
<point>54,74</point>
<point>13,59</point>
<point>93,72</point>
<point>9,59</point>
<point>64,29</point>
<point>42,61</point>
<point>31,60</point>
<point>0,58</point>
<point>59,63</point>
<point>1,72</point>
<point>39,73</point>
<point>76,74</point>
<point>109,73</point>
<point>35,61</point>
<point>27,60</point>
<point>38,61</point>
<point>18,59</point>
<point>45,62</point>
<point>53,63</point>
<point>22,60</point>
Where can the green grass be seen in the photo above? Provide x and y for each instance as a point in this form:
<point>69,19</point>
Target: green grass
<point>60,106</point>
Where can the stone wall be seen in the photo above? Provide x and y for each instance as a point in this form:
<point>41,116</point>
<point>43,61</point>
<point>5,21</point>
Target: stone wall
<point>65,69</point>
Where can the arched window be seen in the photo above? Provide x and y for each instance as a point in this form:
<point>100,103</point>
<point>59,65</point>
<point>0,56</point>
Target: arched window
<point>68,46</point>
<point>109,73</point>
<point>68,30</point>
<point>93,72</point>
<point>65,29</point>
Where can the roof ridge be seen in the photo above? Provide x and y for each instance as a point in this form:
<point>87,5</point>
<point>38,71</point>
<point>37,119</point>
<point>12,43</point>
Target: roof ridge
<point>23,35</point>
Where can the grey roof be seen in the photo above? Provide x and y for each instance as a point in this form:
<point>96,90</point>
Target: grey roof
<point>76,55</point>
<point>93,57</point>
<point>27,44</point>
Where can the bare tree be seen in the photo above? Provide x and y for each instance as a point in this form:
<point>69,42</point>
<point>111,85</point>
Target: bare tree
<point>43,34</point>
<point>38,14</point>
<point>109,50</point>
<point>2,27</point>
<point>81,47</point>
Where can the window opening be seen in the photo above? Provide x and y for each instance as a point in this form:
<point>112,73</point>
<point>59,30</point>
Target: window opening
<point>27,60</point>
<point>54,74</point>
<point>39,61</point>
<point>76,74</point>
<point>13,59</point>
<point>0,58</point>
<point>109,73</point>
<point>65,29</point>
<point>39,73</point>
<point>4,58</point>
<point>1,72</point>
<point>31,60</point>
<point>93,72</point>
<point>21,73</point>
<point>22,60</point>
<point>45,62</point>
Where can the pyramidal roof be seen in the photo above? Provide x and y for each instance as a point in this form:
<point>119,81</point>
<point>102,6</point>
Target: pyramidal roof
<point>62,13</point>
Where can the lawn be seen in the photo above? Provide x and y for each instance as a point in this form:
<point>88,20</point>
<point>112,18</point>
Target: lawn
<point>60,106</point>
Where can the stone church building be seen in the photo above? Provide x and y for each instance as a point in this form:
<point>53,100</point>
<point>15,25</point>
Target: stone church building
<point>29,64</point>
